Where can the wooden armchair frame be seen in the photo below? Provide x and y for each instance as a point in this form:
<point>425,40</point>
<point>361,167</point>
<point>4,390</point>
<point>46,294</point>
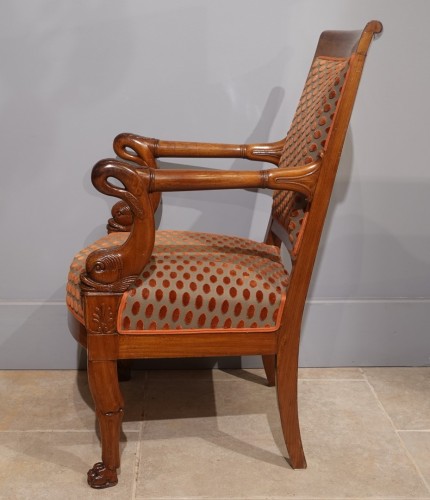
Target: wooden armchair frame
<point>109,272</point>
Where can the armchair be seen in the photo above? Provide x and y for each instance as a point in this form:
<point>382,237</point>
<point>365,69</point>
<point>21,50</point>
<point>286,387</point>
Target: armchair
<point>142,293</point>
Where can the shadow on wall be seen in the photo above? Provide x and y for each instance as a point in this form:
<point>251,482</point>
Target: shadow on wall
<point>230,206</point>
<point>224,200</point>
<point>339,194</point>
<point>34,335</point>
<point>41,340</point>
<point>340,190</point>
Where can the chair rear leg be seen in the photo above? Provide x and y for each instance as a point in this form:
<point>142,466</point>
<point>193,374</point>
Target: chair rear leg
<point>286,386</point>
<point>103,381</point>
<point>124,369</point>
<point>269,363</point>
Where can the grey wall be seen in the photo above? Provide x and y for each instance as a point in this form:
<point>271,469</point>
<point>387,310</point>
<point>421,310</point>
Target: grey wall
<point>74,74</point>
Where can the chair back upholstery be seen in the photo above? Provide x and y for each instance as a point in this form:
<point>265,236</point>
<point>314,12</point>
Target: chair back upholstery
<point>317,133</point>
<point>308,136</point>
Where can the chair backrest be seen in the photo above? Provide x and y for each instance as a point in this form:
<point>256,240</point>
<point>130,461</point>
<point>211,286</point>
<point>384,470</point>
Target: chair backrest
<point>317,133</point>
<point>308,136</point>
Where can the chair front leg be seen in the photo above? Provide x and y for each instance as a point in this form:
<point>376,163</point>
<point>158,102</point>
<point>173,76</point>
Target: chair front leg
<point>109,403</point>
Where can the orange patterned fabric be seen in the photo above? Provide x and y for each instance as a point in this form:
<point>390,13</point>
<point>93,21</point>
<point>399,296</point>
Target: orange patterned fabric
<point>196,282</point>
<point>200,282</point>
<point>308,136</point>
<point>73,296</point>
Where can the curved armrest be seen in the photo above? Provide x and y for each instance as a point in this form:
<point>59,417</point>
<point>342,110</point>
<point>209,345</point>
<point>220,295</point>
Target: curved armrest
<point>301,179</point>
<point>136,148</point>
<point>115,269</point>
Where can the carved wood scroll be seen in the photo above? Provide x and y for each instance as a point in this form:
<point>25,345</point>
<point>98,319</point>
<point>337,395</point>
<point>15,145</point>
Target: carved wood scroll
<point>115,269</point>
<point>140,151</point>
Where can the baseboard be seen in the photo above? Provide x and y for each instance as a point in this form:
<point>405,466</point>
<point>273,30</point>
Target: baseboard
<point>366,333</point>
<point>34,335</point>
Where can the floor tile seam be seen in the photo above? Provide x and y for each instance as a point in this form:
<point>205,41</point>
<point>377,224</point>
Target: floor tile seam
<point>210,436</point>
<point>380,404</point>
<point>209,380</point>
<point>332,379</point>
<point>238,380</point>
<point>426,483</point>
<point>276,497</point>
<point>137,461</point>
<point>16,431</point>
<point>56,431</point>
<point>146,380</point>
<point>412,430</point>
<point>402,444</point>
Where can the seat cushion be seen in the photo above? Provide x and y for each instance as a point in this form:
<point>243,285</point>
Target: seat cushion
<point>198,282</point>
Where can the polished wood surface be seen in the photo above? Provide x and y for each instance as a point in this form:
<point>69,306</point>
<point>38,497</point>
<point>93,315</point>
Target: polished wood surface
<point>138,149</point>
<point>110,272</point>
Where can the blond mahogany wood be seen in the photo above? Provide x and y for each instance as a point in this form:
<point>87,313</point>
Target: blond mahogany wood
<point>161,345</point>
<point>110,272</point>
<point>196,345</point>
<point>77,329</point>
<point>301,179</point>
<point>137,148</point>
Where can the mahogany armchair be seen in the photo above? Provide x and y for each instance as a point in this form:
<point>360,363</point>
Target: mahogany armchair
<point>141,293</point>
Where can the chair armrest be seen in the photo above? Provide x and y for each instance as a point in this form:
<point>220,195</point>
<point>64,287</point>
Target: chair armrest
<point>114,269</point>
<point>143,151</point>
<point>300,178</point>
<point>136,148</point>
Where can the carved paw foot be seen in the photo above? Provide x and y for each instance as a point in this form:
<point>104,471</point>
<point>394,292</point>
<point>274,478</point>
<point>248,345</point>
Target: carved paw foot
<point>102,477</point>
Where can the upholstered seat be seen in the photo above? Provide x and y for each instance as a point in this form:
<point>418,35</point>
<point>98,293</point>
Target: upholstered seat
<point>195,282</point>
<point>142,293</point>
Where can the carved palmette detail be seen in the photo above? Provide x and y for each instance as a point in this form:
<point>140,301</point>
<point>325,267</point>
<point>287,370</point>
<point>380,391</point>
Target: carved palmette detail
<point>104,319</point>
<point>265,152</point>
<point>304,180</point>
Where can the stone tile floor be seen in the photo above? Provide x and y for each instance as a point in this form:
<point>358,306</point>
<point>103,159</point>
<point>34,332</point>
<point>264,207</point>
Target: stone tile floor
<point>216,435</point>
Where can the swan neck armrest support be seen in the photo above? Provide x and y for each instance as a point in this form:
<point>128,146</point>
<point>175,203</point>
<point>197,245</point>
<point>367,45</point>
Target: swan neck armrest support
<point>115,269</point>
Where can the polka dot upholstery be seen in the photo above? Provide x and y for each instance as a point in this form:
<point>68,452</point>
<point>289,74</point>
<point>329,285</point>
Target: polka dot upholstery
<point>308,136</point>
<point>197,282</point>
<point>201,281</point>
